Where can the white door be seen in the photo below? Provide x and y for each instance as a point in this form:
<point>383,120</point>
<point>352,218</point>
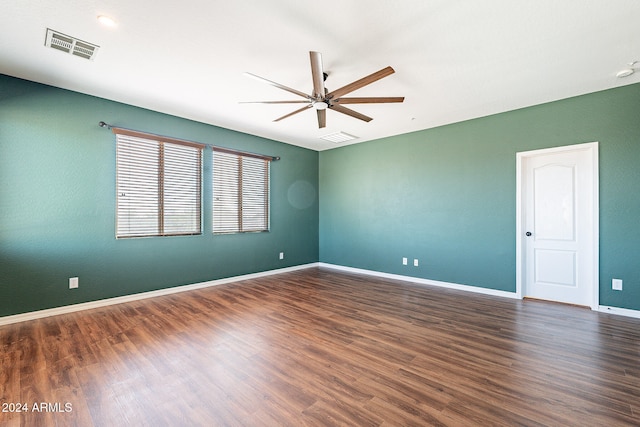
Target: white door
<point>558,228</point>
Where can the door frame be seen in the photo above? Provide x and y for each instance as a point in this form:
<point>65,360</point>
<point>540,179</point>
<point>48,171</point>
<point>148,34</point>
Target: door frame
<point>520,219</point>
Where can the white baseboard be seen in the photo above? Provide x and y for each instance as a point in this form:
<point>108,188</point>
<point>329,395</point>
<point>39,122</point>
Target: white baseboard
<point>420,281</point>
<point>475,289</point>
<point>23,317</point>
<point>619,311</point>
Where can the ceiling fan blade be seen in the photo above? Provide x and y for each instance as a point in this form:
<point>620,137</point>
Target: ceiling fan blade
<point>369,100</point>
<point>317,74</point>
<point>361,83</point>
<point>292,113</point>
<point>322,118</point>
<point>350,112</point>
<point>278,85</point>
<point>275,102</point>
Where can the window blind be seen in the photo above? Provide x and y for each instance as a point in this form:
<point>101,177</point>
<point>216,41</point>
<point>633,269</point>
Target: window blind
<point>158,186</point>
<point>240,192</point>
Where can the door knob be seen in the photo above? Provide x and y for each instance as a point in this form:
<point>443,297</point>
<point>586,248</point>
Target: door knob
<point>528,233</point>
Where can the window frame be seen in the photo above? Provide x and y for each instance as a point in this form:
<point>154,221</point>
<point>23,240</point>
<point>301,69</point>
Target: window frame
<point>162,200</point>
<point>237,195</point>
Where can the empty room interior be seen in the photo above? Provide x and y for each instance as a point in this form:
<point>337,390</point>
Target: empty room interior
<point>320,213</point>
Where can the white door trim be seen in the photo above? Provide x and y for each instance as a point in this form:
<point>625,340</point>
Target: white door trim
<point>520,241</point>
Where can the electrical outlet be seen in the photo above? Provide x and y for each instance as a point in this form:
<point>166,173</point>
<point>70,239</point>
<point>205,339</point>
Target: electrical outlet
<point>616,284</point>
<point>73,282</point>
<point>281,255</point>
<point>404,261</point>
<point>415,262</point>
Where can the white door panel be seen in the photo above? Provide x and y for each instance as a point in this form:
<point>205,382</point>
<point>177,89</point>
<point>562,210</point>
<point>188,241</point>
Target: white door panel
<point>554,201</point>
<point>558,197</point>
<point>553,267</point>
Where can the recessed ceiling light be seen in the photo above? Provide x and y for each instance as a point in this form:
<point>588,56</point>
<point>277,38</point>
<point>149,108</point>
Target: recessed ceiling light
<point>625,73</point>
<point>106,21</point>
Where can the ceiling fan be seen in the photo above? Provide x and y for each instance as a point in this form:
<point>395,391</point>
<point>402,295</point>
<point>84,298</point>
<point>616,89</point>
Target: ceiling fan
<point>321,99</point>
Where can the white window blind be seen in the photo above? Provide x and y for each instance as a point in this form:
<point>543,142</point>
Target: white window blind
<point>240,192</point>
<point>158,186</point>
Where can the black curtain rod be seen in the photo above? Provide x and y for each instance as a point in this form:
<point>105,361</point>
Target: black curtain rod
<point>213,147</point>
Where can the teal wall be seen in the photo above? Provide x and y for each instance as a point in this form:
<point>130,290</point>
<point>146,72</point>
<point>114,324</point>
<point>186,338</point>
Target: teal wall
<point>447,195</point>
<point>57,204</point>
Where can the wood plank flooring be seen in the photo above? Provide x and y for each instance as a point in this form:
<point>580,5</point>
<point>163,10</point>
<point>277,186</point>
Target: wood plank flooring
<point>319,347</point>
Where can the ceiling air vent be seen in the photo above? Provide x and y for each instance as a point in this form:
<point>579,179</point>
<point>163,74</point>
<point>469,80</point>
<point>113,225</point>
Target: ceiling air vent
<point>338,137</point>
<point>71,45</point>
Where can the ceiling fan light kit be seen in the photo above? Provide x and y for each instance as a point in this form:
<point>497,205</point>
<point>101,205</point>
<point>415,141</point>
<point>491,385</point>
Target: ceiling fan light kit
<point>320,105</point>
<point>321,99</point>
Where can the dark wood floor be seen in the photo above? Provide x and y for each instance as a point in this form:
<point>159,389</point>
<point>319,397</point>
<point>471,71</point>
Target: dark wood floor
<point>320,347</point>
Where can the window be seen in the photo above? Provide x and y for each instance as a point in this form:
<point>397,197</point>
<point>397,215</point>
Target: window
<point>158,185</point>
<point>240,192</point>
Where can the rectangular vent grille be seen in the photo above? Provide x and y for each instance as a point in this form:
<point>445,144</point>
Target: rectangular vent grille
<point>338,137</point>
<point>71,45</point>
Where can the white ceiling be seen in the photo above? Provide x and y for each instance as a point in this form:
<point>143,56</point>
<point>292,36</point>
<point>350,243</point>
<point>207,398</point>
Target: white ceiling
<point>454,60</point>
